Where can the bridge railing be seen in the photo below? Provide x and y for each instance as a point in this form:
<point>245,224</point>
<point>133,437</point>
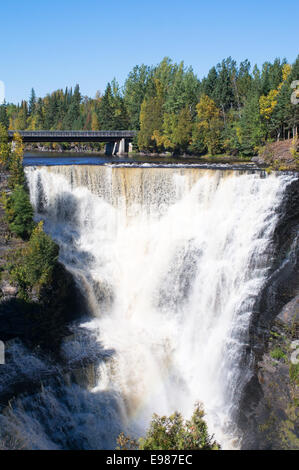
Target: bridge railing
<point>74,134</point>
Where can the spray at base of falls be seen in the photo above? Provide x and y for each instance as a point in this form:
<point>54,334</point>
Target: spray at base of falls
<point>171,260</point>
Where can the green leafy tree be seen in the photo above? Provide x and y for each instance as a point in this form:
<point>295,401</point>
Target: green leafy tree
<point>37,261</point>
<point>231,133</point>
<point>183,92</point>
<point>173,433</point>
<point>19,212</point>
<point>183,131</point>
<point>151,120</point>
<point>177,131</point>
<point>136,87</point>
<point>252,131</point>
<point>197,144</point>
<point>164,75</point>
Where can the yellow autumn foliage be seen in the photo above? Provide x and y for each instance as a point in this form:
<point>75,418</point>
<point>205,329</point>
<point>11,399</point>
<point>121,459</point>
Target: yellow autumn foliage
<point>209,123</point>
<point>268,103</point>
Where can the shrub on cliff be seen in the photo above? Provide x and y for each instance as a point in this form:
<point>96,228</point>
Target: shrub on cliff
<point>173,433</point>
<point>36,261</point>
<point>19,212</point>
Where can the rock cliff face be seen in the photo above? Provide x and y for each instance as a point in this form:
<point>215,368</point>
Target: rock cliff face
<point>278,374</point>
<point>269,413</point>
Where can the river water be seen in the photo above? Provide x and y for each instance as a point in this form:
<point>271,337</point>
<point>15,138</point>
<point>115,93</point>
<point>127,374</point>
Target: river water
<point>35,158</point>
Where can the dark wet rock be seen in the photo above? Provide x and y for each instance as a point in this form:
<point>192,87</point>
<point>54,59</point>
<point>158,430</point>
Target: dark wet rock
<point>289,316</point>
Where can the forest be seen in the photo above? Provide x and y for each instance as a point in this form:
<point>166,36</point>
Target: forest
<point>234,110</point>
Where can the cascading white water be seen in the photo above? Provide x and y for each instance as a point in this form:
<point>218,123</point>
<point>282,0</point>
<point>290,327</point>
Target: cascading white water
<point>171,260</point>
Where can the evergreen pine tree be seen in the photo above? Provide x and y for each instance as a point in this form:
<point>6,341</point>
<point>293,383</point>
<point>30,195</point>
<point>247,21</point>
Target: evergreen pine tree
<point>32,102</point>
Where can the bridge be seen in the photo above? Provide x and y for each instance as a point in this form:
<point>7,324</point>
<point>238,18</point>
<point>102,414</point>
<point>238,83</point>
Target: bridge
<point>117,142</point>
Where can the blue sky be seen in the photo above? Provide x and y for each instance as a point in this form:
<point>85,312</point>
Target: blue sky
<point>50,44</point>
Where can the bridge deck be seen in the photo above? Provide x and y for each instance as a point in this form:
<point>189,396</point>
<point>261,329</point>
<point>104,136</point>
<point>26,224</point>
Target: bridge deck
<point>74,136</point>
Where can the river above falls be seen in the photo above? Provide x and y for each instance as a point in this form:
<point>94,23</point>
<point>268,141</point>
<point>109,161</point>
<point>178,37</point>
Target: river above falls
<point>67,158</point>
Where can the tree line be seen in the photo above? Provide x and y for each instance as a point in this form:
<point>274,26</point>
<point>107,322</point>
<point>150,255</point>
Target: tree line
<point>235,109</point>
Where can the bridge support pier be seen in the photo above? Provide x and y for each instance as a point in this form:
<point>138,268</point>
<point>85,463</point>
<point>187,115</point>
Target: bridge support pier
<point>123,147</point>
<point>119,148</point>
<point>109,149</point>
<point>115,148</point>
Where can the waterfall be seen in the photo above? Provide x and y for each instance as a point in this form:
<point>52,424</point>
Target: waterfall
<point>171,261</point>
